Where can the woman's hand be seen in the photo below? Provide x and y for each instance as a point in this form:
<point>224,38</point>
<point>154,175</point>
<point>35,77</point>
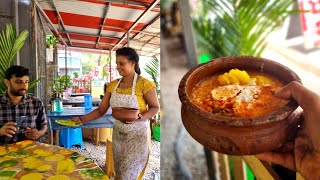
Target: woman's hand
<point>305,156</point>
<point>76,119</point>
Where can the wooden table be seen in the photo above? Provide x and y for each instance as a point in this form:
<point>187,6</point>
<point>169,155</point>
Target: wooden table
<point>32,160</point>
<point>106,121</point>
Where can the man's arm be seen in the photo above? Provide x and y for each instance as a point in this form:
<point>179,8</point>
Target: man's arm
<point>41,125</point>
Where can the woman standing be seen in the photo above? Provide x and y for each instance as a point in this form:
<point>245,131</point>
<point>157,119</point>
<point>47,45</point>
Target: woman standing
<point>130,141</point>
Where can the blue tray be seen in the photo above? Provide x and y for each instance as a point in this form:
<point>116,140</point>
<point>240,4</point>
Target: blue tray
<point>57,111</point>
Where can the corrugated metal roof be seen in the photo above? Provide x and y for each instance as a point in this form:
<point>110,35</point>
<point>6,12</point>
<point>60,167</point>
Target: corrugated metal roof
<point>103,24</point>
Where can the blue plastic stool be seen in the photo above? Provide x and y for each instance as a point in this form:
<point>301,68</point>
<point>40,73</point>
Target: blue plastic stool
<point>70,136</point>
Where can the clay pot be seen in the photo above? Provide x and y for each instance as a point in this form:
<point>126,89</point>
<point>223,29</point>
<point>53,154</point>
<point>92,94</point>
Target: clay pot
<point>234,135</point>
<point>125,115</point>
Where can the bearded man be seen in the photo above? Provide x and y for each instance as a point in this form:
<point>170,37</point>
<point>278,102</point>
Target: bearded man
<point>22,116</point>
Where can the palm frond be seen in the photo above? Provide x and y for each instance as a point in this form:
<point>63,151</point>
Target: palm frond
<point>238,27</point>
<point>10,44</point>
<point>153,69</point>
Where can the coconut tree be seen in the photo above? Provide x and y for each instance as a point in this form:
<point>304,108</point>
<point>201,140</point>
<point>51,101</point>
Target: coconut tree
<point>238,27</point>
<point>10,44</point>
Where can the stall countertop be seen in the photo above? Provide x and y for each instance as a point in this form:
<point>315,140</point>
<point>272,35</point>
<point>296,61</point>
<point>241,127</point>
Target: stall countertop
<point>74,111</point>
<point>106,121</point>
<point>78,94</point>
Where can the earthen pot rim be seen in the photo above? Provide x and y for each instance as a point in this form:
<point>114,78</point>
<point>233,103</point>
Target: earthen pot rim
<point>272,117</point>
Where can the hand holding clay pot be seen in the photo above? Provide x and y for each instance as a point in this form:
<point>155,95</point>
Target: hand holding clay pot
<point>221,131</point>
<point>304,155</point>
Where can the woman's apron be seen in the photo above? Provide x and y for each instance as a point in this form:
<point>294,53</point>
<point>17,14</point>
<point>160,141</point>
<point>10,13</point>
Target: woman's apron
<point>129,141</point>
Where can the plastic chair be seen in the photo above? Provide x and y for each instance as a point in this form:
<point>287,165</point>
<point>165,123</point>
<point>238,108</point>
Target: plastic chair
<point>70,136</point>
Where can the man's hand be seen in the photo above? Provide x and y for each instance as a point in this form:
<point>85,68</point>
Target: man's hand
<point>8,129</point>
<point>305,156</point>
<point>32,133</point>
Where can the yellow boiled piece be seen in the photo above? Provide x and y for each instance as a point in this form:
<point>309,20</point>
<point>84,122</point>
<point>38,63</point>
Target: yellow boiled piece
<point>242,76</point>
<point>58,177</point>
<point>223,79</point>
<point>233,79</point>
<point>235,76</point>
<point>5,158</point>
<point>65,166</point>
<point>29,159</point>
<point>30,147</point>
<point>56,157</point>
<point>35,163</point>
<point>32,163</point>
<point>42,153</point>
<point>25,143</point>
<point>13,148</point>
<point>33,176</point>
<point>44,167</point>
<point>65,151</point>
<point>3,150</point>
<point>261,80</point>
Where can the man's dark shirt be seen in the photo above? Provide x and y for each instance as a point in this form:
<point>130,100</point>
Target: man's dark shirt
<point>30,109</point>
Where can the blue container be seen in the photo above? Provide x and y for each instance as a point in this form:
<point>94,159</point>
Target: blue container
<point>69,137</point>
<point>58,104</point>
<point>87,101</point>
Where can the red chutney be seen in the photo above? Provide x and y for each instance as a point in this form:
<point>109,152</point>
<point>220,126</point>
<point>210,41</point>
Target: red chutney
<point>235,100</point>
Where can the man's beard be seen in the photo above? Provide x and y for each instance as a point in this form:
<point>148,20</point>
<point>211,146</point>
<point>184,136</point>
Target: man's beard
<point>19,92</point>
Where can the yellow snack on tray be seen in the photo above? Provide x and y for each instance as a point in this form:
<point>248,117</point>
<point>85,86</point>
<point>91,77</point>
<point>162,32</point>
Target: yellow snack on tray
<point>65,166</point>
<point>235,76</point>
<point>34,176</point>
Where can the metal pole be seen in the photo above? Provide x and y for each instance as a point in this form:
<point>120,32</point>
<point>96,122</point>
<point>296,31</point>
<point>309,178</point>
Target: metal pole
<point>153,4</point>
<point>16,14</point>
<point>61,21</point>
<point>104,20</point>
<point>110,65</point>
<point>128,38</point>
<point>66,64</point>
<point>188,34</point>
<point>49,22</point>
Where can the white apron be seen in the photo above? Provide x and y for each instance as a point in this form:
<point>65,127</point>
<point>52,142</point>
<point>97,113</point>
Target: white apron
<point>129,141</point>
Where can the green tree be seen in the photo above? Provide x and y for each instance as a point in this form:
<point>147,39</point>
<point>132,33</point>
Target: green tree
<point>91,60</point>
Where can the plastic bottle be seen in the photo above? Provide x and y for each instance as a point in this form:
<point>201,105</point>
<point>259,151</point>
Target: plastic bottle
<point>87,101</point>
<point>58,103</point>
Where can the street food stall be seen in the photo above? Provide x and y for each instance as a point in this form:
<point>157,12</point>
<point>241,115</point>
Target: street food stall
<point>104,27</point>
